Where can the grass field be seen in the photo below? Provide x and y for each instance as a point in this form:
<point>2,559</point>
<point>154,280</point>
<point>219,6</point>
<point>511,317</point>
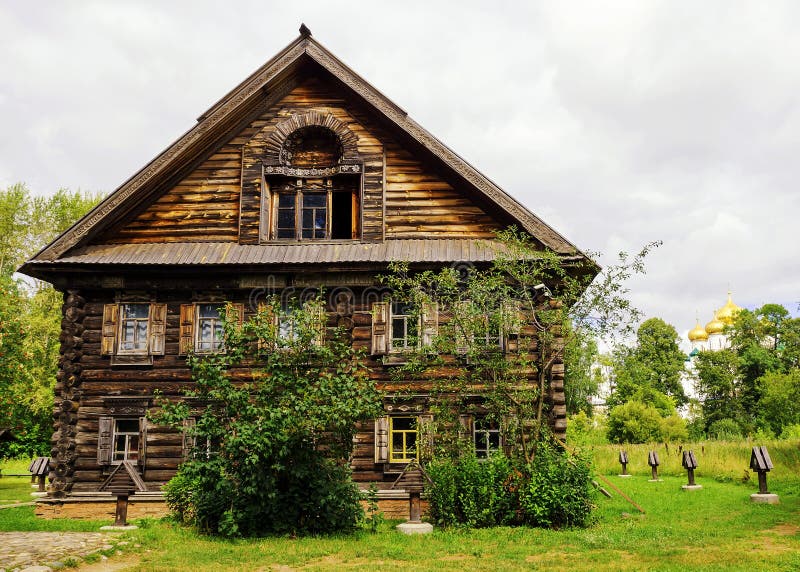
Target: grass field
<point>716,528</point>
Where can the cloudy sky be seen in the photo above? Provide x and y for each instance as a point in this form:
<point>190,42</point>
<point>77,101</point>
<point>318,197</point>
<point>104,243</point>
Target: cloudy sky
<point>619,123</point>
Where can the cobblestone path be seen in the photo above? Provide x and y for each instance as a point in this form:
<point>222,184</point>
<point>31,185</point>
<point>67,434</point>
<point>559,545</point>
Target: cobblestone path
<point>47,550</point>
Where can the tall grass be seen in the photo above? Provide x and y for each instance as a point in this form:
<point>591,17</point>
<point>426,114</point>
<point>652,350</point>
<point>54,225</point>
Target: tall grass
<point>719,460</point>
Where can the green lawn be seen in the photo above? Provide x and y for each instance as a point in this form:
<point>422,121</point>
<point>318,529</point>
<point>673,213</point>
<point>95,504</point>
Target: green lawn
<point>716,528</point>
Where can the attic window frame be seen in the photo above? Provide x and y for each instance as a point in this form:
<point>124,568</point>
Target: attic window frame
<point>270,211</point>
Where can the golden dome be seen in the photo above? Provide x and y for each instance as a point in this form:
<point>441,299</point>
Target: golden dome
<point>715,326</point>
<point>728,312</point>
<point>698,333</point>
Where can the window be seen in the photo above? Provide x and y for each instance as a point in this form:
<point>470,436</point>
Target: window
<point>486,436</point>
<point>488,336</point>
<point>402,439</point>
<point>397,328</point>
<point>314,209</point>
<point>201,328</point>
<point>132,332</point>
<point>210,336</point>
<point>125,440</point>
<point>405,327</point>
<point>134,321</point>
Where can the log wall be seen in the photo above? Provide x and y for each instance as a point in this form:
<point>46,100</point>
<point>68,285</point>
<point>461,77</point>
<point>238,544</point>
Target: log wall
<point>88,381</point>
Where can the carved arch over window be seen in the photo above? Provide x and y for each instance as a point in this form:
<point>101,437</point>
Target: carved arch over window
<point>311,144</point>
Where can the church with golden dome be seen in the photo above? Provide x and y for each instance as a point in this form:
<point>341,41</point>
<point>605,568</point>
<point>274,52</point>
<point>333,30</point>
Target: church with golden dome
<point>713,337</point>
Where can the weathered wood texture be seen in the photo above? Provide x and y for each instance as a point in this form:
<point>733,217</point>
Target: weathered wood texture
<point>88,384</point>
<point>221,199</point>
<point>68,391</point>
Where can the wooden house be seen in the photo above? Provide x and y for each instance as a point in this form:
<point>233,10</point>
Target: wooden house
<point>302,176</point>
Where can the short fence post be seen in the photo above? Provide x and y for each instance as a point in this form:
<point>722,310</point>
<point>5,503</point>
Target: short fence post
<point>623,460</point>
<point>652,460</point>
<point>762,464</point>
<point>690,464</point>
<point>121,512</point>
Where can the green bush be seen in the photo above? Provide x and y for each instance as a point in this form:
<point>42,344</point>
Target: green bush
<point>674,429</point>
<point>552,491</point>
<point>791,432</point>
<point>310,495</point>
<point>583,430</point>
<point>558,490</point>
<point>634,422</point>
<point>725,430</point>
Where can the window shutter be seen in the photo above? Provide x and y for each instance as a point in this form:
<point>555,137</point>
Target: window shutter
<point>269,317</point>
<point>186,342</point>
<point>382,440</point>
<point>109,341</point>
<point>158,328</point>
<point>142,442</point>
<point>465,426</point>
<point>430,322</point>
<point>319,319</point>
<point>235,314</point>
<point>380,325</point>
<point>189,437</point>
<point>426,436</point>
<point>104,440</point>
<point>461,325</point>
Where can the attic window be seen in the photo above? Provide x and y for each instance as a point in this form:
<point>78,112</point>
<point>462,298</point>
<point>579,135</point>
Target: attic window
<point>312,147</point>
<point>313,209</point>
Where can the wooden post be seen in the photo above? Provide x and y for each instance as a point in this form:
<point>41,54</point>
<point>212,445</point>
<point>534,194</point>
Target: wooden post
<point>121,513</point>
<point>623,460</point>
<point>42,488</point>
<point>414,507</point>
<point>762,483</point>
<point>690,471</point>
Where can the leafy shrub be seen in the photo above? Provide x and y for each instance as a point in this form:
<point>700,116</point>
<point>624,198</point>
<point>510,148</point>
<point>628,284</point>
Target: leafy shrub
<point>553,491</point>
<point>584,430</point>
<point>634,422</point>
<point>558,491</point>
<point>674,429</point>
<point>791,432</point>
<point>725,430</point>
<point>309,495</point>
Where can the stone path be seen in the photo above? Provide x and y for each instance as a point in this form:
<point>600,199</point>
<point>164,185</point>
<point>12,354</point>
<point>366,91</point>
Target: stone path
<point>41,551</point>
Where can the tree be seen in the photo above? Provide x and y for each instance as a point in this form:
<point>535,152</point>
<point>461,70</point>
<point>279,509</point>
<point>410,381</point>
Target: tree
<point>651,370</point>
<point>764,353</point>
<point>31,316</point>
<point>718,386</point>
<point>271,447</point>
<point>780,400</point>
<point>581,377</point>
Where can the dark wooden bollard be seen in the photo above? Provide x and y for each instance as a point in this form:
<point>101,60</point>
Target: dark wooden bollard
<point>623,460</point>
<point>414,507</point>
<point>121,512</point>
<point>652,460</point>
<point>690,464</point>
<point>762,464</point>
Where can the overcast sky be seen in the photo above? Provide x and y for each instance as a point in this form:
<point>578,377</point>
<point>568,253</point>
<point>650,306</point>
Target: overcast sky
<point>618,123</point>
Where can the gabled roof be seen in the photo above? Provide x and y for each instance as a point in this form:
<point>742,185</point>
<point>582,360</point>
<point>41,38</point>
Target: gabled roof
<point>260,88</point>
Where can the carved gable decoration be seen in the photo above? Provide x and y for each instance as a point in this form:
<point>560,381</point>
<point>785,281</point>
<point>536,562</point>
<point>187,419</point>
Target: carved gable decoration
<point>312,144</point>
